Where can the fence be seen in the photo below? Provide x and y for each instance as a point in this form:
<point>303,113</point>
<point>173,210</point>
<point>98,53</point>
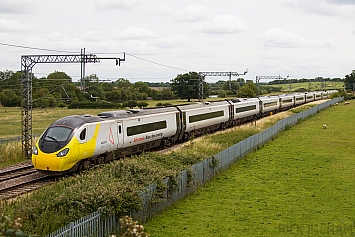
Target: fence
<point>154,201</point>
<point>15,139</point>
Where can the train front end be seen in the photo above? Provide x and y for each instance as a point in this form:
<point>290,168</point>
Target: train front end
<point>56,152</point>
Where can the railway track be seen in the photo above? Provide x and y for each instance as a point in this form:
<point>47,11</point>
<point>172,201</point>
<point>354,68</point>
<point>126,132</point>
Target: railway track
<point>19,179</point>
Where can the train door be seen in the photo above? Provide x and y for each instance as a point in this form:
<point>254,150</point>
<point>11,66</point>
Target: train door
<point>119,134</point>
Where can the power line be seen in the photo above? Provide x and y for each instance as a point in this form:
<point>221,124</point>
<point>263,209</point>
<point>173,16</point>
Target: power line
<point>34,48</point>
<point>163,65</point>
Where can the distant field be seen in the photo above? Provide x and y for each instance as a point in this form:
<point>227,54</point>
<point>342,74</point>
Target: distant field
<point>300,184</point>
<point>313,86</point>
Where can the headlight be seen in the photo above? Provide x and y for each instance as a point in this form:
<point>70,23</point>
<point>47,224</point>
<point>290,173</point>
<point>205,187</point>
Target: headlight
<point>35,150</point>
<point>63,152</point>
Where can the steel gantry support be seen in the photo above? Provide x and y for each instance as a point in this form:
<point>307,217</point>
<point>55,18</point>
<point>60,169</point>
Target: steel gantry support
<point>27,64</point>
<point>216,74</point>
<point>258,78</point>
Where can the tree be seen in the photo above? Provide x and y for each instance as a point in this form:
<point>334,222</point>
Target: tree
<point>350,81</point>
<point>93,87</point>
<point>122,83</point>
<point>9,98</point>
<point>234,86</point>
<point>247,91</point>
<point>185,86</point>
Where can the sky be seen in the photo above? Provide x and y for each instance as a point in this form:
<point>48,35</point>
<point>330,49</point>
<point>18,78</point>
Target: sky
<point>164,38</point>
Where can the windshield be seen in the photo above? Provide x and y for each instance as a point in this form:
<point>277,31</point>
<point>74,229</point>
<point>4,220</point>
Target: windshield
<point>58,134</point>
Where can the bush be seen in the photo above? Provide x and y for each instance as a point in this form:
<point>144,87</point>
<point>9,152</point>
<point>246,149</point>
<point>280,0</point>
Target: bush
<point>9,227</point>
<point>160,104</point>
<point>93,105</point>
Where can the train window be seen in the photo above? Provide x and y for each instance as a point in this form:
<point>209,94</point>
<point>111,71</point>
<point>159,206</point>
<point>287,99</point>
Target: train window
<point>287,101</point>
<point>83,134</point>
<point>119,129</point>
<point>299,98</point>
<point>270,104</point>
<point>200,117</point>
<point>143,128</point>
<point>60,134</point>
<point>246,108</point>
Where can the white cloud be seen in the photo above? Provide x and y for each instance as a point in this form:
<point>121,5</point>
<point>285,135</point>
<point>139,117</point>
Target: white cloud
<point>112,5</point>
<point>172,42</point>
<point>194,13</point>
<point>95,36</point>
<point>17,6</point>
<point>10,26</point>
<point>279,38</point>
<point>341,2</point>
<point>327,8</point>
<point>135,33</point>
<point>223,24</point>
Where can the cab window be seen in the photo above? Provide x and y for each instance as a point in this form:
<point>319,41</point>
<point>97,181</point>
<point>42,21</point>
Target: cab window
<point>83,134</point>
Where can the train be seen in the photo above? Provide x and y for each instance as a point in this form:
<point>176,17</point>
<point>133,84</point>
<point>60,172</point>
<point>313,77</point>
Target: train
<point>79,142</point>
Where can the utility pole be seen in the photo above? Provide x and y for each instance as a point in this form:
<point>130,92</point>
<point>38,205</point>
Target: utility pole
<point>27,64</point>
<point>204,74</point>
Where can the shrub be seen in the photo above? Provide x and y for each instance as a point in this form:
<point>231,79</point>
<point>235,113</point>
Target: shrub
<point>9,227</point>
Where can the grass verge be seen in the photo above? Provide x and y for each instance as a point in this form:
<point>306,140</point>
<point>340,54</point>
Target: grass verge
<point>299,184</point>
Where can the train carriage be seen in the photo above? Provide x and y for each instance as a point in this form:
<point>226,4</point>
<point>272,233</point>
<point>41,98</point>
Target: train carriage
<point>245,109</point>
<point>324,94</point>
<point>309,97</point>
<point>269,104</point>
<point>318,95</point>
<point>300,98</point>
<point>203,118</point>
<point>287,101</point>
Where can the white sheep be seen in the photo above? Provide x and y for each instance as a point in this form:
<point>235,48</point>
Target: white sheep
<point>324,126</point>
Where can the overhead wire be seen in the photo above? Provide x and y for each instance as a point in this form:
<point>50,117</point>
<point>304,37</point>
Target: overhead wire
<point>34,48</point>
<point>160,64</point>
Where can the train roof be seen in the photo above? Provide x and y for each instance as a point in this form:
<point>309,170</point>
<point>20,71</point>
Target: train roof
<point>76,120</point>
<point>202,105</point>
<point>135,112</point>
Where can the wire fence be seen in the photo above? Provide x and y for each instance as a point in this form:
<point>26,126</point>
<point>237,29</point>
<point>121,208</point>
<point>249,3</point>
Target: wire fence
<point>157,197</point>
<point>15,139</point>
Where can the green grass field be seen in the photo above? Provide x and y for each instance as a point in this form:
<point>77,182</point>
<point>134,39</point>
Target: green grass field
<point>313,86</point>
<point>300,184</point>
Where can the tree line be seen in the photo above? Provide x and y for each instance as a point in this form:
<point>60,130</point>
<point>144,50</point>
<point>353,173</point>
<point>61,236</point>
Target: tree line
<point>59,90</point>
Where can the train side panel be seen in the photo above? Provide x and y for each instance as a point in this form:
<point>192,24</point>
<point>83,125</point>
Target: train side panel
<point>245,109</point>
<point>309,97</point>
<point>148,128</point>
<point>300,99</point>
<point>287,101</point>
<point>203,116</point>
<point>270,104</point>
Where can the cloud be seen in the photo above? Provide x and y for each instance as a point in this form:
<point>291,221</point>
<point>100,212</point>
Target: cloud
<point>194,13</point>
<point>172,42</point>
<point>279,38</point>
<point>341,2</point>
<point>10,26</point>
<point>16,6</point>
<point>135,33</point>
<point>223,24</point>
<point>324,7</point>
<point>113,5</point>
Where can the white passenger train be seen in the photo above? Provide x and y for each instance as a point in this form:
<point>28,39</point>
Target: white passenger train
<point>78,142</point>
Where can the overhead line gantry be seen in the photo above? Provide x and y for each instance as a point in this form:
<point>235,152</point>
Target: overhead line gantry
<point>216,74</point>
<point>27,64</point>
